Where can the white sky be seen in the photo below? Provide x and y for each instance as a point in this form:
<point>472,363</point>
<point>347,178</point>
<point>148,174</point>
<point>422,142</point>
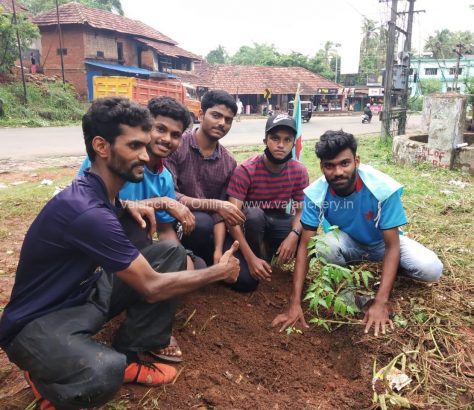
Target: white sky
<point>297,25</point>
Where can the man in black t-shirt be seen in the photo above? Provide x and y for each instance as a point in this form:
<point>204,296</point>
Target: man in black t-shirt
<point>78,269</point>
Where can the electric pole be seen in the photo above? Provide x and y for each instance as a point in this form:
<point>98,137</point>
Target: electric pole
<point>60,43</point>
<point>402,119</point>
<point>459,50</point>
<point>25,95</point>
<point>388,80</point>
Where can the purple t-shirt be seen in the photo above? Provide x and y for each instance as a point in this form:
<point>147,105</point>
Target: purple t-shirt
<point>76,233</point>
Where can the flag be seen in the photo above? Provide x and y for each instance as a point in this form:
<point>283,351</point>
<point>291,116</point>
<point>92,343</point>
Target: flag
<point>297,116</point>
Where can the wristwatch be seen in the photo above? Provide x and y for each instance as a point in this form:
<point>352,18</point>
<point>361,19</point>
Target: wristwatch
<point>297,232</point>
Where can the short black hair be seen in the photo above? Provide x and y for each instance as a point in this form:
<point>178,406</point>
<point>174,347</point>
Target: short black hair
<point>332,143</point>
<point>169,107</point>
<point>105,116</point>
<point>218,97</point>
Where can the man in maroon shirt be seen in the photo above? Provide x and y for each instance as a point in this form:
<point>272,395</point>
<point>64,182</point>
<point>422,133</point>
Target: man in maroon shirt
<point>265,186</point>
<point>201,168</point>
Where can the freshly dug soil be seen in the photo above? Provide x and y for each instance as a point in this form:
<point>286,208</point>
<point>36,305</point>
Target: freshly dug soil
<point>233,359</point>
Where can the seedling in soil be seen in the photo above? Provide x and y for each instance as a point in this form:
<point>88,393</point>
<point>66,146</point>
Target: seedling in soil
<point>333,287</point>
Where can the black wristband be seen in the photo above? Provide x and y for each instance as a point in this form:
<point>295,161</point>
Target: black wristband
<point>298,233</point>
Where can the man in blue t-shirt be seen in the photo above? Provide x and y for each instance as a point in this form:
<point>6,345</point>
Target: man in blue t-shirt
<point>78,269</point>
<point>171,119</point>
<point>366,207</point>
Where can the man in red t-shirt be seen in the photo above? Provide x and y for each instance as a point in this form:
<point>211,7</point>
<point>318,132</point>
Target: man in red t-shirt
<point>265,186</point>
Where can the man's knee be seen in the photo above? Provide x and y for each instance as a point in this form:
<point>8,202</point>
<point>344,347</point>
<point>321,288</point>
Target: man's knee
<point>428,270</point>
<point>204,224</point>
<point>97,382</point>
<point>254,215</point>
<point>166,256</point>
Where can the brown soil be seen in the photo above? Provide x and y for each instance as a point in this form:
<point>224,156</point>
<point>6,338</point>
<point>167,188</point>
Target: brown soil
<point>233,358</point>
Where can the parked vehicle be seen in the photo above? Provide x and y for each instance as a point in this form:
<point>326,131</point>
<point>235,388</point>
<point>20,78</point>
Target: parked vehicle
<point>306,110</point>
<point>141,90</point>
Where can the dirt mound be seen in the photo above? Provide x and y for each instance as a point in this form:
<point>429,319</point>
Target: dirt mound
<point>235,360</point>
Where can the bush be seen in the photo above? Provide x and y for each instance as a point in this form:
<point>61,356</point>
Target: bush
<point>48,104</point>
<point>415,103</point>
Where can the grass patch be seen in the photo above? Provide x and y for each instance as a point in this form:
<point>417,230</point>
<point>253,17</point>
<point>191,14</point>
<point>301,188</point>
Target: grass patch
<point>48,104</point>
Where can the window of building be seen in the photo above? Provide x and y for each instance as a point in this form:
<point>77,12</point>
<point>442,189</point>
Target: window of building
<point>452,71</point>
<point>431,71</point>
<point>58,51</point>
<point>120,52</point>
<point>100,54</point>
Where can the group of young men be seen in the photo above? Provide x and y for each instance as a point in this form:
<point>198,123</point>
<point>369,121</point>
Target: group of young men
<point>89,255</point>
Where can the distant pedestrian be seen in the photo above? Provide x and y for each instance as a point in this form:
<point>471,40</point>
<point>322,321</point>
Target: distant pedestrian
<point>240,108</point>
<point>33,64</point>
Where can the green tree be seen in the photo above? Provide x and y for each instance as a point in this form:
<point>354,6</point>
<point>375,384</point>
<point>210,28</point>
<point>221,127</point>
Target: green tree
<point>430,86</point>
<point>9,46</point>
<point>443,43</point>
<point>259,54</point>
<point>372,52</point>
<point>40,6</point>
<point>217,56</point>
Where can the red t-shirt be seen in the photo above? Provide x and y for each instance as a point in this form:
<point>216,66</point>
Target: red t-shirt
<point>252,183</point>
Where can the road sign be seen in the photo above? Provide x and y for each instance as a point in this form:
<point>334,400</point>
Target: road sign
<point>267,93</point>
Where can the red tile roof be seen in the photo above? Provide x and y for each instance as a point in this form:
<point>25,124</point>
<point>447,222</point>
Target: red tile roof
<point>244,79</point>
<point>192,78</point>
<point>168,50</point>
<point>76,13</point>
<point>6,6</point>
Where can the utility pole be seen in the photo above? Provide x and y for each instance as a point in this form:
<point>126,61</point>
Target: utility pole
<point>60,42</point>
<point>25,95</point>
<point>459,50</point>
<point>388,80</point>
<point>402,119</point>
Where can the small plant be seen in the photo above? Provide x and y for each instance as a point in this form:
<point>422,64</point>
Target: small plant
<point>333,287</point>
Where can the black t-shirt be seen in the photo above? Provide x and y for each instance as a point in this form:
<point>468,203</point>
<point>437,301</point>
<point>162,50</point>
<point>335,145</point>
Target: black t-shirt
<point>76,233</point>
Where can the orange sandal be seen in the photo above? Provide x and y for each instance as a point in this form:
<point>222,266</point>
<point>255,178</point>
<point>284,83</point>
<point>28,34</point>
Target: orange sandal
<point>150,374</point>
<point>43,403</point>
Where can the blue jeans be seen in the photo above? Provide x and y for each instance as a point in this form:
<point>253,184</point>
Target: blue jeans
<point>416,261</point>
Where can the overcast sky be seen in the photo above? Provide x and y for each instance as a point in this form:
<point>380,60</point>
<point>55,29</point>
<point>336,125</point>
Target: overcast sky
<point>291,25</point>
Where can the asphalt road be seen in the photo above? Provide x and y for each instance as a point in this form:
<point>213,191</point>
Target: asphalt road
<point>34,143</point>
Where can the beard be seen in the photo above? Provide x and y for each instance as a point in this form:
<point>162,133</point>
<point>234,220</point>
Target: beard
<point>344,189</point>
<point>119,167</point>
<point>277,161</point>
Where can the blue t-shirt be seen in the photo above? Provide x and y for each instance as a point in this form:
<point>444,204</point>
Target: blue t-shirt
<point>355,214</point>
<point>154,185</point>
<point>75,233</point>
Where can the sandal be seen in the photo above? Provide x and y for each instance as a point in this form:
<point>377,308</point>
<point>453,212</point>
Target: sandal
<point>160,354</point>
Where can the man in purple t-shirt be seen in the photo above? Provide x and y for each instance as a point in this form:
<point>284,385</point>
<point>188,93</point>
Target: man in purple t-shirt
<point>265,186</point>
<point>78,269</point>
<point>201,169</point>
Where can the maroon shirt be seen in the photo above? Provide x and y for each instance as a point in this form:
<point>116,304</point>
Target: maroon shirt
<point>254,184</point>
<point>197,176</point>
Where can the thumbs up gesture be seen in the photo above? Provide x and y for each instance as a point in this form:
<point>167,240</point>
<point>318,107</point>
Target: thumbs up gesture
<point>230,263</point>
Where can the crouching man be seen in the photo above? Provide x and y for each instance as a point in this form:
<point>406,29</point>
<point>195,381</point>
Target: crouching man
<point>78,269</point>
<point>366,206</point>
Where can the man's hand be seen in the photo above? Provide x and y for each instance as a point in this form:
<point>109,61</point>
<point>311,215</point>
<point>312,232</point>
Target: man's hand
<point>287,249</point>
<point>231,263</point>
<point>230,213</point>
<point>290,317</point>
<point>184,215</point>
<point>377,315</point>
<point>259,269</point>
<point>140,212</point>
